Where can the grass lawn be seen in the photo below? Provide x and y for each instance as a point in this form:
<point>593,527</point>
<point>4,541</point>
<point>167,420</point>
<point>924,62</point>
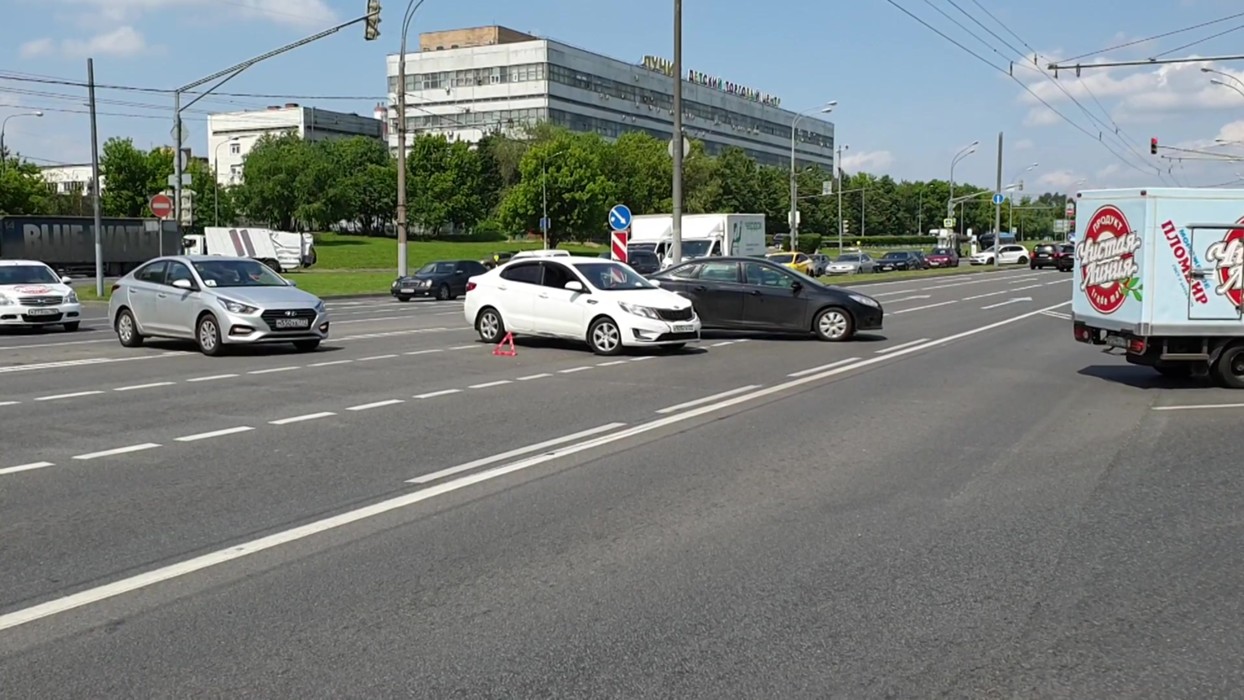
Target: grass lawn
<point>342,252</point>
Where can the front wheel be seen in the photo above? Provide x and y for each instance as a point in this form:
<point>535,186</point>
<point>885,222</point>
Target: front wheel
<point>207,336</point>
<point>72,326</point>
<point>442,292</point>
<point>604,337</point>
<point>127,330</point>
<point>833,325</point>
<point>306,345</point>
<point>1228,370</point>
<point>403,299</point>
<point>489,325</point>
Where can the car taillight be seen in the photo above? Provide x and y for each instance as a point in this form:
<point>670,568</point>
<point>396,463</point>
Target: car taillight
<point>1137,346</point>
<point>470,286</point>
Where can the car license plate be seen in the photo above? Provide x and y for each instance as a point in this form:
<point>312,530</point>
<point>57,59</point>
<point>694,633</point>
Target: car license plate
<point>684,328</point>
<point>286,323</point>
<point>42,312</point>
<point>407,291</point>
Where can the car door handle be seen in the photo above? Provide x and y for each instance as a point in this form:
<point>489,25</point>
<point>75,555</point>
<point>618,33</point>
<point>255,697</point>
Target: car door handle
<point>700,288</point>
<point>755,292</point>
<point>162,295</point>
<point>544,295</point>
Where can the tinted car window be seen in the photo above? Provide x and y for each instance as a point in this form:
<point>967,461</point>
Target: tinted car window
<point>527,273</point>
<point>177,271</point>
<point>685,272</point>
<point>720,272</point>
<point>766,276</point>
<point>153,273</point>
<point>557,276</point>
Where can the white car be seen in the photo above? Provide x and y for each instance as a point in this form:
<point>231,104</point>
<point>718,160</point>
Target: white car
<point>602,302</point>
<point>1011,255</point>
<point>33,295</point>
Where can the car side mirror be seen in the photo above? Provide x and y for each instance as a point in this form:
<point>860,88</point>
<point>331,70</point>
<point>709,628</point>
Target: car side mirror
<point>796,285</point>
<point>66,280</point>
<point>291,283</point>
<point>183,284</point>
<point>575,286</point>
<point>655,283</point>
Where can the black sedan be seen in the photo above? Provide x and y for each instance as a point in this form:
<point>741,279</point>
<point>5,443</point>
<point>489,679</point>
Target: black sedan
<point>901,260</point>
<point>445,279</point>
<point>754,294</point>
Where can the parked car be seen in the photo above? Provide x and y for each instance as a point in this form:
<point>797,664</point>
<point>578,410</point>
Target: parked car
<point>215,301</point>
<point>820,262</point>
<point>799,262</point>
<point>943,257</point>
<point>445,279</point>
<point>851,264</point>
<point>1045,255</point>
<point>1012,254</point>
<point>33,295</point>
<point>604,303</point>
<point>901,260</point>
<point>752,294</point>
<point>645,262</point>
<point>1066,259</point>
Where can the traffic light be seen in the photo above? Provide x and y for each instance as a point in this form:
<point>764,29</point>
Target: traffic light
<point>372,28</point>
<point>1153,145</point>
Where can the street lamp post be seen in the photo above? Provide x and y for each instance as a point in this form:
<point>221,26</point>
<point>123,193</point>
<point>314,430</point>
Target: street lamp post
<point>794,182</point>
<point>950,203</point>
<point>216,178</point>
<point>838,174</point>
<point>1216,81</point>
<point>403,233</point>
<point>1010,208</point>
<point>4,157</point>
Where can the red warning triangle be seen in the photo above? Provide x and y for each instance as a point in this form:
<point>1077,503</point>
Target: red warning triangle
<point>501,350</point>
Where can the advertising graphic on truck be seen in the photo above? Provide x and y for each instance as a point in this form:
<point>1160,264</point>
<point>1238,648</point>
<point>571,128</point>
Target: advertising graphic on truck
<point>1109,268</point>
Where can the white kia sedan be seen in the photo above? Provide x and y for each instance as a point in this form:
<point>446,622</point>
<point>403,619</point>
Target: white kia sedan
<point>605,303</point>
<point>33,295</point>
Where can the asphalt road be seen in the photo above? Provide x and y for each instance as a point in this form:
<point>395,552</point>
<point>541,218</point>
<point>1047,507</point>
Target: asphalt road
<point>968,503</point>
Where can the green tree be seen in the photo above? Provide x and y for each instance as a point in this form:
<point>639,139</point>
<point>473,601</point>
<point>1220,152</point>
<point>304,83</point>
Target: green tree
<point>270,191</point>
<point>445,184</point>
<point>131,176</point>
<point>22,189</point>
<point>580,188</point>
<point>643,170</point>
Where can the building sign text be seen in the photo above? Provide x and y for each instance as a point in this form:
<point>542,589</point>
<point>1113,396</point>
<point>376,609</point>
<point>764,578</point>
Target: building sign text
<point>666,67</point>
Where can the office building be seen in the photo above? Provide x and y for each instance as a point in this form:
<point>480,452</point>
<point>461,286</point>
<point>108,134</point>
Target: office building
<point>231,135</point>
<point>465,83</point>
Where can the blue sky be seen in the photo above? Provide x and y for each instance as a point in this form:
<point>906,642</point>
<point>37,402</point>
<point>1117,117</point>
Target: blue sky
<point>908,98</point>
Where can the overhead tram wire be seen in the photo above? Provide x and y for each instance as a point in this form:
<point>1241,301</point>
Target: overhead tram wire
<point>1190,44</point>
<point>49,80</point>
<point>1155,37</point>
<point>1009,73</point>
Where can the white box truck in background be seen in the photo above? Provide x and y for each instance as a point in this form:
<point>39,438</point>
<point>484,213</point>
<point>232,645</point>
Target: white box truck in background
<point>283,251</point>
<point>703,235</point>
<point>1159,276</point>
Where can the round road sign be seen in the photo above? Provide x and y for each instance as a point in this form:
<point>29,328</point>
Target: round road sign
<point>161,206</point>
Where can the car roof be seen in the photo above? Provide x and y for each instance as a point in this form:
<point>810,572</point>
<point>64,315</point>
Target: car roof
<point>15,263</point>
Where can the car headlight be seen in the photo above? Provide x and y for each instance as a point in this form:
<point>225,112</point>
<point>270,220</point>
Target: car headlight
<point>319,306</point>
<point>643,311</point>
<point>6,301</point>
<point>866,301</point>
<point>394,285</point>
<point>237,307</point>
<point>72,297</point>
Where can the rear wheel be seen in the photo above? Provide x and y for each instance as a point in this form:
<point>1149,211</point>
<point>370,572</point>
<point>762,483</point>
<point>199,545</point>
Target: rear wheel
<point>833,324</point>
<point>1023,260</point>
<point>1228,370</point>
<point>489,325</point>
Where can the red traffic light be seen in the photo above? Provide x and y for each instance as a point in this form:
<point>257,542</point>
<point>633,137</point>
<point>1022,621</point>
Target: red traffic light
<point>1153,146</point>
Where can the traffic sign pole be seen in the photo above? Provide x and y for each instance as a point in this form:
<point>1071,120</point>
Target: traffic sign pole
<point>997,211</point>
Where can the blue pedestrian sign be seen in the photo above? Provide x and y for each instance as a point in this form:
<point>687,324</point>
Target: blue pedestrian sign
<point>544,224</point>
<point>620,217</point>
<point>999,198</point>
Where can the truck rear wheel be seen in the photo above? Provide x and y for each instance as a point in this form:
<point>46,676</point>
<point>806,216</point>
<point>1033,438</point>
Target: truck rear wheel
<point>1228,370</point>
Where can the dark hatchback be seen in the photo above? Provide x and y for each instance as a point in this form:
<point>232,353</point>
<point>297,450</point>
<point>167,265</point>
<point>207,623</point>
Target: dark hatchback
<point>445,279</point>
<point>754,294</point>
<point>645,262</point>
<point>1052,255</point>
<point>901,260</point>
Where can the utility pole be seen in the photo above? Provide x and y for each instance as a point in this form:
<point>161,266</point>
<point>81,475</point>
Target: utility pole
<point>676,143</point>
<point>838,167</point>
<point>403,231</point>
<point>997,212</point>
<point>863,197</point>
<point>95,203</point>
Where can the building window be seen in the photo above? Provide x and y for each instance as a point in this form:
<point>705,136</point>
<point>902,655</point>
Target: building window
<point>235,148</point>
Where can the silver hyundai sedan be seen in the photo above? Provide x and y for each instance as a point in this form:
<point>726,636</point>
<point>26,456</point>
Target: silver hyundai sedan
<point>215,301</point>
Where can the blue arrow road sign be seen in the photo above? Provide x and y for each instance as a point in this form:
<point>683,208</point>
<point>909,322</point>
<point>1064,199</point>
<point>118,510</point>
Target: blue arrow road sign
<point>619,217</point>
<point>999,198</point>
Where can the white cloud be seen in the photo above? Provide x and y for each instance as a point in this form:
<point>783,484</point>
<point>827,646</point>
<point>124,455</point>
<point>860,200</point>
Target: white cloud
<point>868,161</point>
<point>295,13</point>
<point>1024,145</point>
<point>1060,179</point>
<point>121,42</point>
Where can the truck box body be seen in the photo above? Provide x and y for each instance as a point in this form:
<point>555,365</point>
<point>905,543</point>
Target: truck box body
<point>67,243</point>
<point>287,249</point>
<point>1145,265</point>
<point>703,234</point>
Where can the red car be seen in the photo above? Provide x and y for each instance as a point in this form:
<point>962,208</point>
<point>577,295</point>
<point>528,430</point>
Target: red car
<point>943,257</point>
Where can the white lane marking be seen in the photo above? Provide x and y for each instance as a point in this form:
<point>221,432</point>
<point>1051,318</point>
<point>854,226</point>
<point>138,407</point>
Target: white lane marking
<point>1017,300</point>
<point>641,358</point>
<point>373,358</point>
<point>466,347</point>
<point>489,385</point>
<point>237,551</point>
<point>926,306</point>
<point>330,363</point>
<point>274,370</point>
<point>136,387</point>
<point>425,352</point>
<point>911,298</point>
<point>118,451</point>
<point>993,275</point>
<point>517,452</point>
<point>1055,314</point>
<point>9,403</point>
<point>722,344</point>
<point>888,294</point>
<point>956,284</point>
<point>448,313</point>
<point>990,294</point>
<point>1199,407</point>
<point>707,399</point>
<point>26,467</point>
<point>377,404</point>
<point>212,378</point>
<point>56,345</point>
<point>302,419</point>
<point>900,346</point>
<point>614,363</point>
<point>80,363</point>
<point>1051,284</point>
<point>374,319</point>
<point>435,394</point>
<point>822,368</point>
<point>1017,280</point>
<point>530,377</point>
<point>572,370</point>
<point>1031,286</point>
<point>215,433</point>
<point>74,395</point>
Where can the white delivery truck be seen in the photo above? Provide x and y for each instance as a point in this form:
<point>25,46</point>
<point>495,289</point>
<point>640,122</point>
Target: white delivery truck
<point>1159,276</point>
<point>702,235</point>
<point>282,251</point>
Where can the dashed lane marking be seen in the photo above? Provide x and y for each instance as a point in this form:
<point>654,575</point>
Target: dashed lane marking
<point>900,346</point>
<point>489,385</point>
<point>332,363</point>
<point>215,434</point>
<point>517,452</point>
<point>212,378</point>
<point>74,395</point>
<point>375,404</point>
<point>118,451</point>
<point>707,399</point>
<point>435,394</point>
<point>572,370</point>
<point>373,358</point>
<point>302,419</point>
<point>137,387</point>
<point>274,370</point>
<point>542,375</point>
<point>926,306</point>
<point>822,368</point>
<point>26,467</point>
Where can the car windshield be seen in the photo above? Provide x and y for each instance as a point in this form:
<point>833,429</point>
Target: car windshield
<point>641,256</point>
<point>237,273</point>
<point>436,268</point>
<point>782,258</point>
<point>610,277</point>
<point>895,255</point>
<point>696,249</point>
<point>848,258</point>
<point>941,251</point>
<point>27,274</point>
